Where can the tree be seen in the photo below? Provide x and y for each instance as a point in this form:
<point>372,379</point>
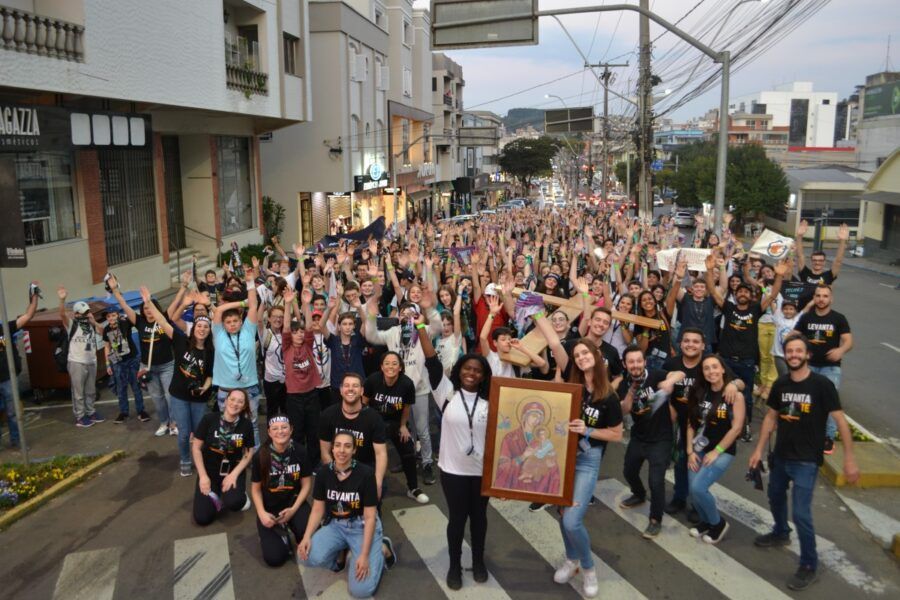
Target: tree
<point>525,159</point>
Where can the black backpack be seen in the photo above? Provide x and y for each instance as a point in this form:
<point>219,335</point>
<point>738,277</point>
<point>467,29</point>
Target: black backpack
<point>61,350</point>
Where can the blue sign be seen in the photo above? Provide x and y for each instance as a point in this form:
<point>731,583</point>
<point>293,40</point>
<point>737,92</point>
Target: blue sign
<point>656,165</point>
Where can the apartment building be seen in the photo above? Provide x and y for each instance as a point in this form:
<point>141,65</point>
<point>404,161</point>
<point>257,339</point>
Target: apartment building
<point>447,86</point>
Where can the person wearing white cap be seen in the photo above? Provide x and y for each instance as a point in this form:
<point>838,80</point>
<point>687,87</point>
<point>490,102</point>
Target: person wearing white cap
<point>83,333</point>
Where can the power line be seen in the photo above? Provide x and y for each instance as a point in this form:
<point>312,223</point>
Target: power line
<point>529,89</point>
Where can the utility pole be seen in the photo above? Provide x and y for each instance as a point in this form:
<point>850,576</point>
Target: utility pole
<point>645,208</point>
<point>604,81</point>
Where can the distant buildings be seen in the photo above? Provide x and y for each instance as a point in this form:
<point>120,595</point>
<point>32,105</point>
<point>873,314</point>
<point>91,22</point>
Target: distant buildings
<point>808,115</point>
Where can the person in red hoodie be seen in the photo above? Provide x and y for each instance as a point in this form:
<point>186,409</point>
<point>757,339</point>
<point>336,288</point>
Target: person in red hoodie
<point>301,378</point>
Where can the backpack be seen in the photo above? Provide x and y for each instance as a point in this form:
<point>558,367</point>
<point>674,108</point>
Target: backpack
<point>61,351</point>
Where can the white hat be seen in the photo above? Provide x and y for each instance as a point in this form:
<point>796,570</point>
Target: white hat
<point>81,307</point>
<point>490,290</point>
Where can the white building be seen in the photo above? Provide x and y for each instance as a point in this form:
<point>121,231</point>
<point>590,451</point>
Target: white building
<point>447,105</point>
<point>809,115</point>
<point>479,140</point>
<point>148,114</point>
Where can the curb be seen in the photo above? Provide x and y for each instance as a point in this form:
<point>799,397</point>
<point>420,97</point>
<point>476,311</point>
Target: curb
<point>878,464</point>
<point>55,490</point>
<point>871,270</point>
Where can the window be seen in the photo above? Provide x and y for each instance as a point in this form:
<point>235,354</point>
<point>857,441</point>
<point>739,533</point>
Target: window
<point>798,122</point>
<point>426,142</point>
<point>380,19</point>
<point>235,194</point>
<point>407,33</point>
<point>434,84</point>
<point>407,82</point>
<point>292,64</point>
<point>45,193</point>
<point>826,101</point>
<point>405,141</point>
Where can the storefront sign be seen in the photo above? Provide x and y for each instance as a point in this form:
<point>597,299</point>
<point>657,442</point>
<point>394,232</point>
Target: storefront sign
<point>31,128</point>
<point>426,170</point>
<point>375,171</point>
<point>363,183</point>
<point>12,233</point>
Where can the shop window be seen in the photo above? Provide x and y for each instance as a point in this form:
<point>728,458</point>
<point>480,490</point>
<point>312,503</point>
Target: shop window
<point>45,193</point>
<point>235,189</point>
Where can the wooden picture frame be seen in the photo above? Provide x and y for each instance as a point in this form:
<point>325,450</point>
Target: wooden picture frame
<point>530,418</point>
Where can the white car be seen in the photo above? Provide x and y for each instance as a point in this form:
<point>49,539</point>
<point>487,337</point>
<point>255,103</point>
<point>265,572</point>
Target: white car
<point>683,219</point>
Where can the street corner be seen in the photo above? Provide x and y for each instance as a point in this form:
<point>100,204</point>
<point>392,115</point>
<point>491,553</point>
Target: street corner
<point>879,466</point>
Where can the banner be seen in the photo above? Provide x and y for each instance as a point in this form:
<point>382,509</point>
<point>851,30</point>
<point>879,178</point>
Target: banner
<point>798,291</point>
<point>695,257</point>
<point>463,254</point>
<point>375,230</point>
<point>772,245</point>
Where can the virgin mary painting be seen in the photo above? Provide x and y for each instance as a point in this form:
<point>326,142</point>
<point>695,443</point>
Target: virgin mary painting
<point>528,460</point>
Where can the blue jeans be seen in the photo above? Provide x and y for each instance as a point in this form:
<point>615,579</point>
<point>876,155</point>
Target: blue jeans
<point>833,373</point>
<point>745,370</point>
<point>253,394</point>
<point>574,533</point>
<point>187,416</point>
<point>803,476</point>
<point>655,362</point>
<point>341,534</point>
<point>700,482</point>
<point>158,386</point>
<point>125,375</point>
<point>6,403</point>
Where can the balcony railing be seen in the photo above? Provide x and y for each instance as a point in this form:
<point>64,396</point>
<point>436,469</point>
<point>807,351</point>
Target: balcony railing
<point>448,100</point>
<point>242,70</point>
<point>23,31</point>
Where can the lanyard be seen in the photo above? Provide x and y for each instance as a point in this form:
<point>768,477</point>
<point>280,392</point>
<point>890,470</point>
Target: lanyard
<point>277,351</point>
<point>470,415</point>
<point>237,352</point>
<point>280,462</point>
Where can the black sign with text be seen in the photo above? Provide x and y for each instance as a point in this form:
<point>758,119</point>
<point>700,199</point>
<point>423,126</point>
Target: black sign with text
<point>12,232</point>
<point>797,291</point>
<point>32,128</point>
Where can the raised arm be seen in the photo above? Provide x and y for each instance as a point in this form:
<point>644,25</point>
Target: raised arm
<point>178,301</point>
<point>675,292</point>
<point>484,336</point>
<point>61,292</point>
<point>252,296</point>
<point>157,315</point>
<point>113,284</point>
<point>710,284</point>
<point>843,236</point>
<point>556,347</point>
<point>23,320</point>
<point>798,244</point>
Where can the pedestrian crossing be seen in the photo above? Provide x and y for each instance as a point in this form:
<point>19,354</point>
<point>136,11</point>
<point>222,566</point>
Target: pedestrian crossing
<point>226,564</point>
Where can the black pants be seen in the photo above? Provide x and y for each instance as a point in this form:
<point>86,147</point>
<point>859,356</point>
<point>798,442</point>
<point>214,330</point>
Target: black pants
<point>276,395</point>
<point>234,499</point>
<point>465,502</point>
<point>324,397</point>
<point>407,452</point>
<point>657,454</point>
<point>303,413</point>
<point>275,541</point>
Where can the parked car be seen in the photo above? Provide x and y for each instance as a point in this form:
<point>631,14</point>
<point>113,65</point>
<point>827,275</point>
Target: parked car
<point>683,218</point>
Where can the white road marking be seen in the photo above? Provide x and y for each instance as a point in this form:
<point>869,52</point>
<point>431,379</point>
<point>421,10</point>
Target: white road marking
<point>881,526</point>
<point>426,527</point>
<point>324,584</point>
<point>759,519</point>
<point>892,347</point>
<point>887,285</point>
<point>711,564</point>
<point>540,530</point>
<point>89,575</point>
<point>202,569</point>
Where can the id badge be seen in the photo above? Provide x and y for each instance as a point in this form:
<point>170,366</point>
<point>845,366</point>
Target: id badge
<point>224,467</point>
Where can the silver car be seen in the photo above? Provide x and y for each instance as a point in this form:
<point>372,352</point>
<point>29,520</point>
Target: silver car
<point>683,219</point>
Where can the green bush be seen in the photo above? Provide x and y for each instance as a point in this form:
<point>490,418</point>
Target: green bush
<point>246,252</point>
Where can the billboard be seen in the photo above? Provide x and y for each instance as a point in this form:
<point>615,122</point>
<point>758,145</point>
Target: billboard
<point>478,136</point>
<point>882,100</point>
<point>569,120</point>
<point>503,23</point>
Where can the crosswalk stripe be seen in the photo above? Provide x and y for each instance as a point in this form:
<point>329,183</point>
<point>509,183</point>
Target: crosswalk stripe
<point>717,568</point>
<point>425,527</point>
<point>324,584</point>
<point>89,575</point>
<point>538,528</point>
<point>203,568</point>
<point>759,519</point>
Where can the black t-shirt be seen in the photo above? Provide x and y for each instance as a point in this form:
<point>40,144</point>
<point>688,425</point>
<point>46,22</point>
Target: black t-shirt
<point>162,345</point>
<point>4,368</point>
<point>367,429</point>
<point>390,400</point>
<point>286,474</point>
<point>214,289</point>
<point>121,344</point>
<point>600,415</point>
<point>609,353</point>
<point>612,360</point>
<point>824,334</point>
<point>223,441</point>
<point>649,425</point>
<point>659,342</point>
<point>807,276</point>
<point>346,499</point>
<point>679,397</point>
<point>740,334</point>
<point>192,367</point>
<point>717,414</point>
<point>803,408</point>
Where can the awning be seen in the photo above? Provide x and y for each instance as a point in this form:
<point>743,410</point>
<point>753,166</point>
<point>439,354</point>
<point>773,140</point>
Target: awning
<point>892,198</point>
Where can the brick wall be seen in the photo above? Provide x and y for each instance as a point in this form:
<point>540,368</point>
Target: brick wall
<point>88,176</point>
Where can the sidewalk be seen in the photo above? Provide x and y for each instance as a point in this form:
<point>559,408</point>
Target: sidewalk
<point>865,264</point>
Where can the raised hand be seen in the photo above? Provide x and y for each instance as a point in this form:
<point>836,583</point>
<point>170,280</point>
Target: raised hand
<point>62,293</point>
<point>843,232</point>
<point>145,294</point>
<point>289,295</point>
<point>802,228</point>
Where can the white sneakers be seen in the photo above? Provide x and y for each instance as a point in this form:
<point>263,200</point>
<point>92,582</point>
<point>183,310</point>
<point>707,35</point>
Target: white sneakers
<point>417,495</point>
<point>568,570</point>
<point>162,430</point>
<point>247,504</point>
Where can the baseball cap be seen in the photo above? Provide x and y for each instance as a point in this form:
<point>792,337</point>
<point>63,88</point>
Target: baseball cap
<point>81,307</point>
<point>316,313</point>
<point>490,290</point>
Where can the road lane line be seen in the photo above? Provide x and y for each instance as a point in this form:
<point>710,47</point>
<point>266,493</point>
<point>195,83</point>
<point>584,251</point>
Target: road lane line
<point>708,562</point>
<point>759,519</point>
<point>426,529</point>
<point>541,530</point>
<point>892,347</point>
<point>202,569</point>
<point>325,584</point>
<point>89,575</point>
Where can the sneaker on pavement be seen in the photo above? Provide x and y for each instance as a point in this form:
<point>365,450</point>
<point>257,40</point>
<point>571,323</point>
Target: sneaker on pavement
<point>747,435</point>
<point>653,529</point>
<point>418,495</point>
<point>247,504</point>
<point>121,418</point>
<point>162,430</point>
<point>84,421</point>
<point>173,430</point>
<point>829,446</point>
<point>770,540</point>
<point>802,579</point>
<point>186,470</point>
<point>593,501</point>
<point>454,577</point>
<point>698,530</point>
<point>566,571</point>
<point>632,501</point>
<point>143,417</point>
<point>97,418</point>
<point>715,533</point>
<point>590,584</point>
<point>428,474</point>
<point>674,507</point>
<point>479,571</point>
<point>536,506</point>
<point>391,560</point>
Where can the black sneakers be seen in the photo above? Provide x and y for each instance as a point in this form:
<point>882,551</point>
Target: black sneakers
<point>143,417</point>
<point>747,436</point>
<point>674,507</point>
<point>802,579</point>
<point>632,501</point>
<point>770,540</point>
<point>120,419</point>
<point>536,506</point>
<point>454,577</point>
<point>698,530</point>
<point>653,529</point>
<point>715,533</point>
<point>428,474</point>
<point>479,571</point>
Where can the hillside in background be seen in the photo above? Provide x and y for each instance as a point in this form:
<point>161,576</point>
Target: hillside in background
<point>517,118</point>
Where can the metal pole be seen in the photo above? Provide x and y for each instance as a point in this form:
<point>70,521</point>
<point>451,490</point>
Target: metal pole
<point>606,75</point>
<point>628,176</point>
<point>13,379</point>
<point>645,100</point>
<point>722,158</point>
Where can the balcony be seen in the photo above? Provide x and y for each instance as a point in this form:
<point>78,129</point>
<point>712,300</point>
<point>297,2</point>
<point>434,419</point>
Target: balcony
<point>23,31</point>
<point>448,100</point>
<point>242,70</point>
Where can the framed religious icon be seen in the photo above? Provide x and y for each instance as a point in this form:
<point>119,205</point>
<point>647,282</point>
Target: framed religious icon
<point>529,453</point>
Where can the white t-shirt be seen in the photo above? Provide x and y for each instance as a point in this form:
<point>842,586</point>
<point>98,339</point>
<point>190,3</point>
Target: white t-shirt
<point>456,437</point>
<point>499,368</point>
<point>83,344</point>
<point>322,357</point>
<point>783,327</point>
<point>274,362</point>
<point>448,351</point>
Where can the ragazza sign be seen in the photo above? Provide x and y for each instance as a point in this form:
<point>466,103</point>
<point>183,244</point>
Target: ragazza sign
<point>31,128</point>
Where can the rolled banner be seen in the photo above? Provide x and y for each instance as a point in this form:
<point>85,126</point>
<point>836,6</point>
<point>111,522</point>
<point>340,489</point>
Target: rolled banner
<point>772,245</point>
<point>237,266</point>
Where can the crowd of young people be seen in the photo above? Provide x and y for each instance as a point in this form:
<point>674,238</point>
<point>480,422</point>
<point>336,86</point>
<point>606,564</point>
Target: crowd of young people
<point>398,338</point>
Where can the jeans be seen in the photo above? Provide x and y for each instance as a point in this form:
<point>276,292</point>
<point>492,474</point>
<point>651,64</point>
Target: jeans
<point>803,476</point>
<point>253,394</point>
<point>833,373</point>
<point>341,534</point>
<point>83,379</point>
<point>125,374</point>
<point>657,454</point>
<point>420,422</point>
<point>767,372</point>
<point>160,379</point>
<point>574,533</point>
<point>6,403</point>
<point>745,370</point>
<point>187,416</point>
<point>655,362</point>
<point>700,482</point>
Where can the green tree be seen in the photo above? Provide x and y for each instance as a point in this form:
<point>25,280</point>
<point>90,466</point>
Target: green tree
<point>525,159</point>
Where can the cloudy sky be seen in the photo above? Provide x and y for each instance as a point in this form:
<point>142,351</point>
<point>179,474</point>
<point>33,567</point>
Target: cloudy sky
<point>835,48</point>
